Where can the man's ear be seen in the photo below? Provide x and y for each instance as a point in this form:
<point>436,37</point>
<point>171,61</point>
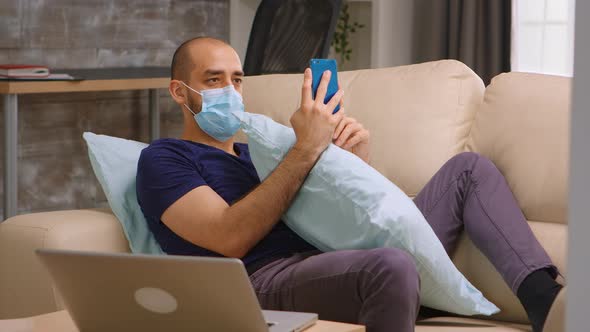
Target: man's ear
<point>178,92</point>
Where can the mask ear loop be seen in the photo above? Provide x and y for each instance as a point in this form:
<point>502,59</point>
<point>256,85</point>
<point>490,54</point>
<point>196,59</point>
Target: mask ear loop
<point>185,105</point>
<point>193,91</point>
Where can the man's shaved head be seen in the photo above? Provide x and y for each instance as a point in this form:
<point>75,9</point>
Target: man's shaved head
<point>183,60</point>
<point>203,63</point>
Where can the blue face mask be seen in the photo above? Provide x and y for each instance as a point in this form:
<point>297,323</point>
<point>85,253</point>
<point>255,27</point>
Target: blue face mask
<point>215,117</point>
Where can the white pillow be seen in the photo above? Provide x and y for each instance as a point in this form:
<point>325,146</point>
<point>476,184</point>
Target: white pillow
<point>114,161</point>
<point>346,204</point>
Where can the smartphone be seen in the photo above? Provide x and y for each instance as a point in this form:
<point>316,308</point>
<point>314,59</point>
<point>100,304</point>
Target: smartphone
<point>318,67</point>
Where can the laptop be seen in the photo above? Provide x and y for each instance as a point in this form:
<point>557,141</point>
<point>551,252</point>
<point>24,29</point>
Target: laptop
<point>131,292</point>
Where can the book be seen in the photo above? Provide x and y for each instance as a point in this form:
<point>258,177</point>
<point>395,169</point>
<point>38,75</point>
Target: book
<point>50,77</point>
<point>23,71</point>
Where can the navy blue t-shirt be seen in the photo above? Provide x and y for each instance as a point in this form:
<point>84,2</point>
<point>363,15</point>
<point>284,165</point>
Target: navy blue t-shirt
<point>170,168</point>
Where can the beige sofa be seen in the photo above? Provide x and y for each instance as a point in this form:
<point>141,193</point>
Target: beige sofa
<point>419,117</point>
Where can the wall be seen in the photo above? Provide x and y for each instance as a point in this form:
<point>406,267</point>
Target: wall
<point>386,40</point>
<point>54,171</point>
<point>360,41</point>
<point>578,297</point>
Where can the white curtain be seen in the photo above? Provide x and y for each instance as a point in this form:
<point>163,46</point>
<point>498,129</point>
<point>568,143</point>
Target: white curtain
<point>543,36</point>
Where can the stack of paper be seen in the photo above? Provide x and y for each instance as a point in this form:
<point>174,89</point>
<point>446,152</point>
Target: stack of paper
<point>23,71</point>
<point>29,72</point>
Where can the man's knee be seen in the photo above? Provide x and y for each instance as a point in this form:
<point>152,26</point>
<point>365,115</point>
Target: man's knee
<point>390,291</point>
<point>393,271</point>
<point>466,160</point>
<point>474,162</point>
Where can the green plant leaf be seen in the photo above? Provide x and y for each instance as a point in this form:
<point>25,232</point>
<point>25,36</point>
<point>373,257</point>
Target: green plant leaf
<point>344,29</point>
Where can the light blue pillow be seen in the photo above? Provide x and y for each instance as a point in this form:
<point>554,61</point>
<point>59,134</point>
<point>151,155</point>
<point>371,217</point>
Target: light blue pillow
<point>346,204</point>
<point>114,161</point>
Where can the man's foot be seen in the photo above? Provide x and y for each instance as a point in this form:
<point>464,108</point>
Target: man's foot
<point>537,293</point>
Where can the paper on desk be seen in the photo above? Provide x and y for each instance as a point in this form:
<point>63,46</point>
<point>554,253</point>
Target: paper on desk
<point>51,77</point>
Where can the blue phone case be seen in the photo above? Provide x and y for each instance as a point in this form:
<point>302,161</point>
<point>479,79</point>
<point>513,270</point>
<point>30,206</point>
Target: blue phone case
<point>318,66</point>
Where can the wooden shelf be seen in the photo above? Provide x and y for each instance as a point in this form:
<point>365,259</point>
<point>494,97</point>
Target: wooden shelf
<point>95,79</point>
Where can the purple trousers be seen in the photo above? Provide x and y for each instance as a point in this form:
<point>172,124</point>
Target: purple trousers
<point>379,288</point>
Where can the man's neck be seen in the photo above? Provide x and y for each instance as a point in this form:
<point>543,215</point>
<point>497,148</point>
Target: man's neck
<point>201,137</point>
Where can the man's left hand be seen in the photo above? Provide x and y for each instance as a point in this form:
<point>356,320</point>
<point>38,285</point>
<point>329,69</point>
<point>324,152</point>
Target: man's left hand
<point>353,137</point>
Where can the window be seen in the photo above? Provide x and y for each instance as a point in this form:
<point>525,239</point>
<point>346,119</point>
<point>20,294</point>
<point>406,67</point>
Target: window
<point>543,36</point>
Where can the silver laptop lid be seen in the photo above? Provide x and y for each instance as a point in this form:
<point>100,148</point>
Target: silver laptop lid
<point>125,292</point>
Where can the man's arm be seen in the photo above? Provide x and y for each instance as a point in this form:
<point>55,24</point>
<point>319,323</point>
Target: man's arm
<point>205,219</point>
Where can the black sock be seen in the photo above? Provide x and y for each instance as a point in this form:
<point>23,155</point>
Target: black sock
<point>537,293</point>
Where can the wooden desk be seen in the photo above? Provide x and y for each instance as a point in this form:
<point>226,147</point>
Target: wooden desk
<point>101,79</point>
<point>60,321</point>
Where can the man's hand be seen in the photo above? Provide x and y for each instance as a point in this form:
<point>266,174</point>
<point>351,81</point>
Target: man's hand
<point>313,122</point>
<point>353,137</point>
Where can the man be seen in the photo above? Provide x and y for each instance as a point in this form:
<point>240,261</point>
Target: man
<point>201,196</point>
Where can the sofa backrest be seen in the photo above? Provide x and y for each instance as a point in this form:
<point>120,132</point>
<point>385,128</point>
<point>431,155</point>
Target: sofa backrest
<point>419,116</point>
<point>523,126</point>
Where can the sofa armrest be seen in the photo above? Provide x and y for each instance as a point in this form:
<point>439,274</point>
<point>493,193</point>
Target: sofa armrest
<point>556,319</point>
<point>25,286</point>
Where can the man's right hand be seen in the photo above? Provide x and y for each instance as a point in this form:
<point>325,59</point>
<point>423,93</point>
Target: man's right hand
<point>313,122</point>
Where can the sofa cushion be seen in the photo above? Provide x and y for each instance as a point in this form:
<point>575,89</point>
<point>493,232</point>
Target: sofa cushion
<point>419,116</point>
<point>346,204</point>
<point>523,127</point>
<point>25,285</point>
<point>477,268</point>
<point>460,324</point>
